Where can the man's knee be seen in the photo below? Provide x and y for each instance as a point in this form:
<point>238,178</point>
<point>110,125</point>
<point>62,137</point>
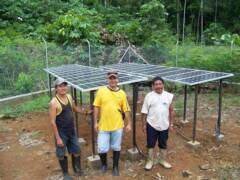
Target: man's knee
<point>151,142</point>
<point>103,149</point>
<point>76,154</point>
<point>162,144</point>
<point>60,158</point>
<point>116,147</point>
<point>60,152</point>
<point>75,149</point>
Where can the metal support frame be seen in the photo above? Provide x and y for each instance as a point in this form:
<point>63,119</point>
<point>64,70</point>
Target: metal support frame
<point>185,104</point>
<point>195,114</point>
<point>218,128</point>
<point>50,85</point>
<point>81,98</point>
<point>124,87</point>
<point>76,114</point>
<point>92,123</point>
<point>134,111</point>
<point>46,59</point>
<point>130,48</point>
<point>89,52</point>
<point>71,90</point>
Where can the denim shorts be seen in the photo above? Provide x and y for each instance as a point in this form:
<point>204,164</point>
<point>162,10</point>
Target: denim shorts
<point>70,142</point>
<point>109,138</point>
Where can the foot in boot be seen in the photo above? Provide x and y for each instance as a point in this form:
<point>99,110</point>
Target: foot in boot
<point>116,156</point>
<point>64,166</point>
<point>103,158</point>
<point>163,162</point>
<point>103,169</point>
<point>149,163</point>
<point>115,171</point>
<point>76,164</point>
<point>67,177</point>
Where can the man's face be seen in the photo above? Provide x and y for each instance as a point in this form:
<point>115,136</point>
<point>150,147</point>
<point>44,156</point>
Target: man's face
<point>62,89</point>
<point>112,81</point>
<point>158,86</point>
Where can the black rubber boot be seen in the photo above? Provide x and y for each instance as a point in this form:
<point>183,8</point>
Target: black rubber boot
<point>64,166</point>
<point>103,157</point>
<point>116,156</point>
<point>76,164</point>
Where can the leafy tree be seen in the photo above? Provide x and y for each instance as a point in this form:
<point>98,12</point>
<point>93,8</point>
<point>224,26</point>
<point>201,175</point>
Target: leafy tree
<point>76,25</point>
<point>24,83</point>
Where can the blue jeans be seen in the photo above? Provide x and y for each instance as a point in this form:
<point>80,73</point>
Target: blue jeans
<point>70,142</point>
<point>107,138</point>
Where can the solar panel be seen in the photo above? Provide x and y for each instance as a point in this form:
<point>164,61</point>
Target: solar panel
<point>185,76</point>
<point>85,78</point>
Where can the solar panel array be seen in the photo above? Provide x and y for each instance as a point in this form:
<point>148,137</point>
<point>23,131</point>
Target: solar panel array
<point>174,74</point>
<point>85,78</point>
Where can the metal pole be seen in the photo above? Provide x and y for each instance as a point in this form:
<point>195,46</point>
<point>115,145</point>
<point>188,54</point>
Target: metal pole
<point>124,87</point>
<point>185,103</point>
<point>219,107</point>
<point>134,111</point>
<point>89,52</point>
<point>176,61</point>
<point>71,90</point>
<point>120,61</point>
<point>92,118</point>
<point>46,52</point>
<point>150,86</point>
<point>76,114</point>
<point>195,114</point>
<point>50,85</point>
<point>46,59</point>
<point>81,99</point>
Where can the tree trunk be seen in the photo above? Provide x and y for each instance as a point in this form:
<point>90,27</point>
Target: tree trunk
<point>178,18</point>
<point>216,11</point>
<point>184,19</point>
<point>202,36</point>
<point>198,22</point>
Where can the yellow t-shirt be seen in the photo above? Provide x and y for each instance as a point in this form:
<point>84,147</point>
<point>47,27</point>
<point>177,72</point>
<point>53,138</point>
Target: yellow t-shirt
<point>112,104</point>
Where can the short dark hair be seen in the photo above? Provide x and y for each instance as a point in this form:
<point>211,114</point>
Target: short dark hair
<point>157,78</point>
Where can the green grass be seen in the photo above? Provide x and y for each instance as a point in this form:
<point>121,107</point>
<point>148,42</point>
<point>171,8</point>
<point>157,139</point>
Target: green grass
<point>41,103</point>
<point>36,134</point>
<point>38,104</point>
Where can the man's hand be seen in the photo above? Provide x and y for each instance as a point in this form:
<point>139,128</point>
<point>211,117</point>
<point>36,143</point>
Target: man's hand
<point>78,109</point>
<point>171,127</point>
<point>96,127</point>
<point>60,142</point>
<point>128,128</point>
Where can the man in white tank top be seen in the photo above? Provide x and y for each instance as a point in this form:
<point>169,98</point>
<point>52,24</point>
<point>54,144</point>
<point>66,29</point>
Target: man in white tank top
<point>157,119</point>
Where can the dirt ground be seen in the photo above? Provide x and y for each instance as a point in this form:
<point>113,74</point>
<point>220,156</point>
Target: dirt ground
<point>213,160</point>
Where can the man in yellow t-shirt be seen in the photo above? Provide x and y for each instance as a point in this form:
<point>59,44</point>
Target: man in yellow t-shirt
<point>110,109</point>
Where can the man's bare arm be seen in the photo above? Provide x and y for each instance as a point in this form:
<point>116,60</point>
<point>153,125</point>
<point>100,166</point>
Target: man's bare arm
<point>128,121</point>
<point>96,117</point>
<point>144,121</point>
<point>171,115</point>
<point>52,118</point>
